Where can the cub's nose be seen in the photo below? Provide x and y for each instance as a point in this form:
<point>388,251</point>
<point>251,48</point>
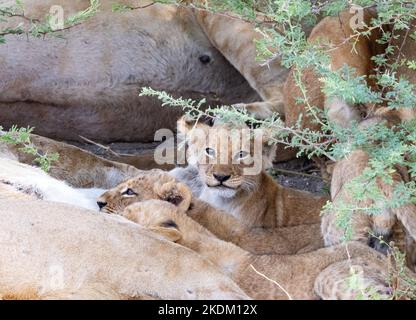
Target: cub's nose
<point>221,178</point>
<point>101,204</point>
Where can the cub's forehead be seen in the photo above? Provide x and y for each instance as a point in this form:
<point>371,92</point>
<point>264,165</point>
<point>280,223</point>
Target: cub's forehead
<point>150,177</point>
<point>227,140</point>
<point>135,179</point>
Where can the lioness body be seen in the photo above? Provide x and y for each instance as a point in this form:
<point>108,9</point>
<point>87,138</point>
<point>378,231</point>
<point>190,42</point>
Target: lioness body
<point>338,36</point>
<point>79,168</point>
<point>56,251</point>
<point>33,181</point>
<point>388,224</point>
<point>88,83</point>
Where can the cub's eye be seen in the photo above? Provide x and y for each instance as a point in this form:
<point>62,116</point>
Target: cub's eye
<point>129,192</point>
<point>241,155</point>
<point>210,152</point>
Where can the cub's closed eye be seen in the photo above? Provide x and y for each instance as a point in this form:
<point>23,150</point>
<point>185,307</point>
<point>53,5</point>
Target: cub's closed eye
<point>210,152</point>
<point>129,192</point>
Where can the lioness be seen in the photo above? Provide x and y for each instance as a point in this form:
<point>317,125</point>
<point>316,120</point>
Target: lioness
<point>87,82</point>
<point>218,64</point>
<point>228,182</point>
<point>56,251</point>
<point>293,277</point>
<point>159,185</point>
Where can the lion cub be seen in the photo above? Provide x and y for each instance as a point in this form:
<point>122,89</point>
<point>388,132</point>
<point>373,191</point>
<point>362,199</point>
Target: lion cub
<point>293,277</point>
<point>159,185</point>
<point>230,168</point>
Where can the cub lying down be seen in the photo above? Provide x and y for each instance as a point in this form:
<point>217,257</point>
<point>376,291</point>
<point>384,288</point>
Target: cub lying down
<point>298,276</point>
<point>159,185</point>
<point>56,251</point>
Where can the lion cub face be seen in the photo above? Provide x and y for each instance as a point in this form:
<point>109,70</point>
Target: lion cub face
<point>228,159</point>
<point>148,185</point>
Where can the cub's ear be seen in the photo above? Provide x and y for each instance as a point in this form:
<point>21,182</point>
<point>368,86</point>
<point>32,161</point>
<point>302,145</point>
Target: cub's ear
<point>268,148</point>
<point>169,230</point>
<point>176,193</point>
<point>269,154</point>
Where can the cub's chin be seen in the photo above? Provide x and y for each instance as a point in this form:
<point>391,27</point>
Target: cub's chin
<point>222,191</point>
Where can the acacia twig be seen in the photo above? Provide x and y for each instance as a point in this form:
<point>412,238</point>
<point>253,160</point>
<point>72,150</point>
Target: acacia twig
<point>106,148</point>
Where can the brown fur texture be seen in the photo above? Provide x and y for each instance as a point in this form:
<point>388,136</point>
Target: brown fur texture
<point>396,224</point>
<point>297,274</point>
<point>405,49</point>
<point>56,251</point>
<point>385,224</point>
<point>332,33</point>
<point>159,185</point>
<point>255,199</point>
<point>88,83</point>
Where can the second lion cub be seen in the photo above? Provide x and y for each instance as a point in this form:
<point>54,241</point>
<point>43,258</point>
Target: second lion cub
<point>222,161</point>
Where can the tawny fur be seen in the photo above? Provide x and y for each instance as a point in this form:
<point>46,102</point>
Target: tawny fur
<point>41,238</point>
<point>405,50</point>
<point>56,251</point>
<point>363,225</point>
<point>332,33</point>
<point>254,198</point>
<point>159,185</point>
<point>296,274</point>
